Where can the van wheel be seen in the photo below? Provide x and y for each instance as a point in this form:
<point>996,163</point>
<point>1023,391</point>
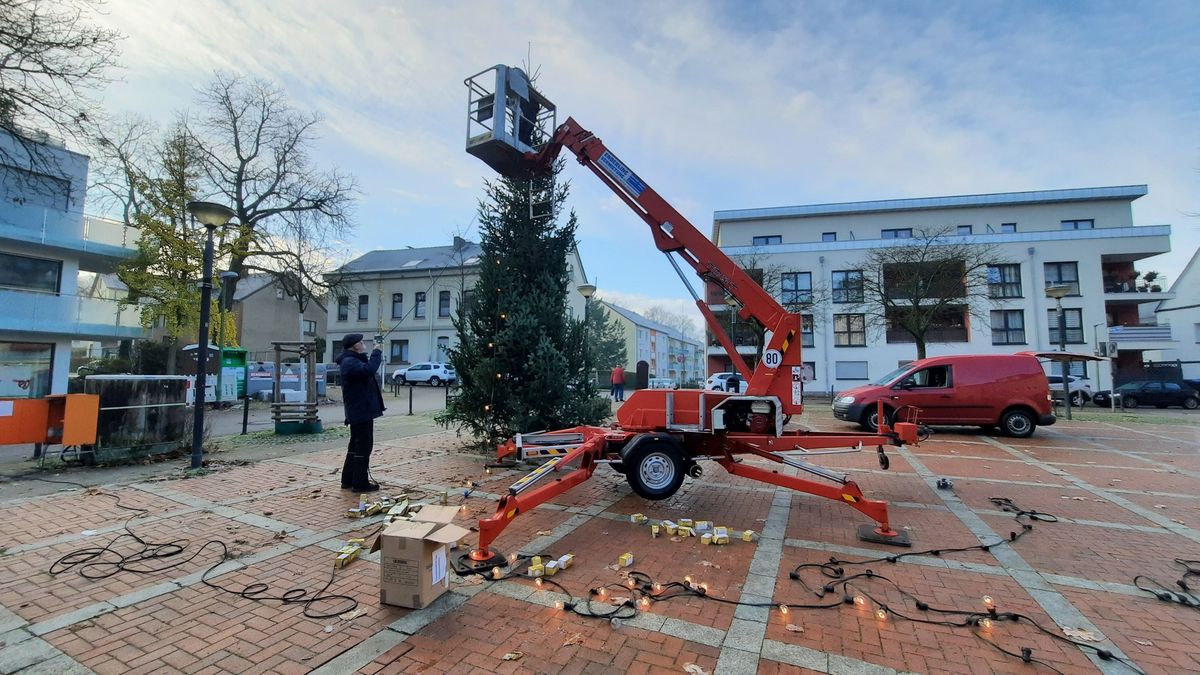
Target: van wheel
<point>1191,403</point>
<point>654,469</point>
<point>1017,423</point>
<point>869,419</point>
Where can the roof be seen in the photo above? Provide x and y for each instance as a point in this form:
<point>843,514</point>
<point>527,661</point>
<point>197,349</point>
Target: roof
<point>1182,281</point>
<point>642,321</point>
<point>1118,192</point>
<point>403,259</point>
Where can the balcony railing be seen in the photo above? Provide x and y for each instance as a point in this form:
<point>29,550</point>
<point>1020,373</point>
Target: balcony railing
<point>58,227</point>
<point>1161,333</point>
<point>77,315</point>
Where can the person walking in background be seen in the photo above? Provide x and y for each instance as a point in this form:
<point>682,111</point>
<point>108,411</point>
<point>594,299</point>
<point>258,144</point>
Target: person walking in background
<point>618,383</point>
<point>363,402</point>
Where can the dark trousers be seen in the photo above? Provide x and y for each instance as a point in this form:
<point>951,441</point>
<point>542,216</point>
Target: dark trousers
<point>618,391</point>
<point>356,468</point>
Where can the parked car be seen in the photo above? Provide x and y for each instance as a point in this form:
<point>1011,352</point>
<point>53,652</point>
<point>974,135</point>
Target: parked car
<point>433,374</point>
<point>987,390</point>
<point>1080,389</point>
<point>720,382</point>
<point>662,383</point>
<point>1158,393</point>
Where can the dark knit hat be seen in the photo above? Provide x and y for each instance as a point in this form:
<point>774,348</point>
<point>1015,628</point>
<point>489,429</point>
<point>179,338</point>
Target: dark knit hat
<point>351,340</point>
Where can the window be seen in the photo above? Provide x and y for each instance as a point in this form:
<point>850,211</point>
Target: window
<point>1008,327</point>
<point>1008,228</point>
<point>419,309</point>
<point>897,233</point>
<point>1074,320</point>
<point>933,279</point>
<point>829,236</point>
<point>946,324</point>
<point>1088,224</point>
<point>443,345</point>
<point>849,330</point>
<point>364,307</point>
<point>809,372</point>
<point>26,368</point>
<point>936,377</point>
<point>1063,273</point>
<point>397,305</point>
<point>310,327</point>
<point>29,274</point>
<point>767,240</point>
<point>444,303</point>
<point>807,338</point>
<point>398,352</point>
<point>964,230</point>
<point>796,288</point>
<point>343,309</point>
<point>848,286</point>
<point>1004,281</point>
<point>850,370</point>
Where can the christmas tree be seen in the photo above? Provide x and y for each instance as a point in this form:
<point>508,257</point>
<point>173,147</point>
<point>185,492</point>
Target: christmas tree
<point>522,361</point>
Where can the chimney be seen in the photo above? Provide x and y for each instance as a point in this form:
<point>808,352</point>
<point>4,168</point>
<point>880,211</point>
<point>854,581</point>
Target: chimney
<point>459,243</point>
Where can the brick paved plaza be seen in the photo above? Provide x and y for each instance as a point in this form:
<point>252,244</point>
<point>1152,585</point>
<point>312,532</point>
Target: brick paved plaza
<point>1125,495</point>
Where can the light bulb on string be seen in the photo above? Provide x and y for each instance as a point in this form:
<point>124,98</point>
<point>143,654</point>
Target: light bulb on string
<point>860,600</point>
<point>603,593</point>
<point>783,609</point>
<point>644,603</point>
<point>658,588</point>
<point>496,573</point>
<point>688,579</point>
<point>704,586</point>
<point>558,604</point>
<point>881,614</point>
<point>989,602</point>
<point>512,558</point>
<point>631,582</point>
<point>539,583</point>
<point>985,623</point>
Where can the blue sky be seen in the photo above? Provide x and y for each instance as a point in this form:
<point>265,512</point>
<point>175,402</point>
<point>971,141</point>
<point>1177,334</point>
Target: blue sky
<point>717,105</point>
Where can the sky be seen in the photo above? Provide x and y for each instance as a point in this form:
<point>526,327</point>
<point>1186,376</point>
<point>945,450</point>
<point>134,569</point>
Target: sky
<point>716,105</point>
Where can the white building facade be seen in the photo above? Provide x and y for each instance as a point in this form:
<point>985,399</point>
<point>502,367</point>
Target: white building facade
<point>411,296</point>
<point>1181,313</point>
<point>1083,238</point>
<point>666,351</point>
<point>45,244</point>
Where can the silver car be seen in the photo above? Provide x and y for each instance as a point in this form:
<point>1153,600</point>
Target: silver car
<point>431,373</point>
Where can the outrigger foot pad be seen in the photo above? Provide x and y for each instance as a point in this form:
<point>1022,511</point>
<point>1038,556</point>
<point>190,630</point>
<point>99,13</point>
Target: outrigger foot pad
<point>467,564</point>
<point>872,533</point>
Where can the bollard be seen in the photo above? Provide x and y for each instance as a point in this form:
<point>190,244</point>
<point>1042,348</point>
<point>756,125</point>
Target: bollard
<point>245,412</point>
<point>410,395</point>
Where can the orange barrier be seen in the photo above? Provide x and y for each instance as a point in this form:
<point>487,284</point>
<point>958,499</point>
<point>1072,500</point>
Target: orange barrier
<point>60,419</point>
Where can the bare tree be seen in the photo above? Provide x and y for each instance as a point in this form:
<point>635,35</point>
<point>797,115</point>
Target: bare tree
<point>677,320</point>
<point>925,289</point>
<point>51,62</point>
<point>254,150</point>
<point>796,291</point>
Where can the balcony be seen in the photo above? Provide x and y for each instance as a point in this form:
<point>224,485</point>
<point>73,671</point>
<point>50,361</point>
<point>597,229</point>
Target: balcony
<point>1140,338</point>
<point>98,242</point>
<point>75,316</point>
<point>1123,294</point>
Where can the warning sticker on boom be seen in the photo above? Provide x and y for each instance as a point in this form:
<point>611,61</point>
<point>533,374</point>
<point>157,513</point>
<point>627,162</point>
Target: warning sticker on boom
<point>617,170</point>
<point>797,384</point>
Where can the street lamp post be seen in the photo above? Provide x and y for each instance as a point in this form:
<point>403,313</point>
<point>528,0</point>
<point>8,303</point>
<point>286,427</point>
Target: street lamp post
<point>222,305</point>
<point>1058,292</point>
<point>211,216</point>
<point>587,290</point>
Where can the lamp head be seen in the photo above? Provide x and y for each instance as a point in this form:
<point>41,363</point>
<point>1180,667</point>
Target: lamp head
<point>210,214</point>
<point>586,290</point>
<point>1058,291</point>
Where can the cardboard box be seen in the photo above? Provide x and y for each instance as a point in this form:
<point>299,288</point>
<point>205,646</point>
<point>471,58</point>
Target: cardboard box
<point>413,566</point>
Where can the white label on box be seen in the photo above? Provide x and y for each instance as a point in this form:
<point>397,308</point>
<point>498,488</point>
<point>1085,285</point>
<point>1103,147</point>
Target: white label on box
<point>6,408</point>
<point>439,567</point>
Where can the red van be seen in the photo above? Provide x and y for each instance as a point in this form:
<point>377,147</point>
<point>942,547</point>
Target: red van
<point>987,390</point>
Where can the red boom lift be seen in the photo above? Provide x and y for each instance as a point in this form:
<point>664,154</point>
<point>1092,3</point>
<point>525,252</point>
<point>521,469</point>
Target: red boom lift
<point>661,435</point>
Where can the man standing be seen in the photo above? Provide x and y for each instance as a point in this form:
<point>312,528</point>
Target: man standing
<point>363,402</point>
<point>618,383</point>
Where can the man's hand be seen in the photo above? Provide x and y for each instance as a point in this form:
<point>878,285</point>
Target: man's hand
<point>378,346</point>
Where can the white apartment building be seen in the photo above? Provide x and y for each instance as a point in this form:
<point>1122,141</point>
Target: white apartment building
<point>1183,312</point>
<point>1084,238</point>
<point>45,244</point>
<point>663,351</point>
<point>411,296</point>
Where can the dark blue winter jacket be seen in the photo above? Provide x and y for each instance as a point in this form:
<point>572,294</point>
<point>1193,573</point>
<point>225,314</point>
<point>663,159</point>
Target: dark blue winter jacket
<point>360,391</point>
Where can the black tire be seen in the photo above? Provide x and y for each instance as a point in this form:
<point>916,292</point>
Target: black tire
<point>868,420</point>
<point>1129,402</point>
<point>435,381</point>
<point>1078,398</point>
<point>1018,423</point>
<point>619,467</point>
<point>654,469</point>
<point>1191,403</point>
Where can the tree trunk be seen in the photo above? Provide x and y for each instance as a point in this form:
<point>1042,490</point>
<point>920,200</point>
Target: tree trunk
<point>920,347</point>
<point>172,354</point>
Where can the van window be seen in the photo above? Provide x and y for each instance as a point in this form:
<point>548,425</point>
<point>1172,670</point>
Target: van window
<point>936,377</point>
<point>891,377</point>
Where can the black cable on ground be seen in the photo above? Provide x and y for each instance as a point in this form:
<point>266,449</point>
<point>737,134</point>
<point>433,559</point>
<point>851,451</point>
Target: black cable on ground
<point>1184,596</point>
<point>102,562</point>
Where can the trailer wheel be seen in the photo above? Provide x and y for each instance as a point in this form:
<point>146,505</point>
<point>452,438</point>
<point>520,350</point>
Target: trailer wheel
<point>654,469</point>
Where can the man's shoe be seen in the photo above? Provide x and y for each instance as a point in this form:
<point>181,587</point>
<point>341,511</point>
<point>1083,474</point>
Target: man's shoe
<point>370,487</point>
